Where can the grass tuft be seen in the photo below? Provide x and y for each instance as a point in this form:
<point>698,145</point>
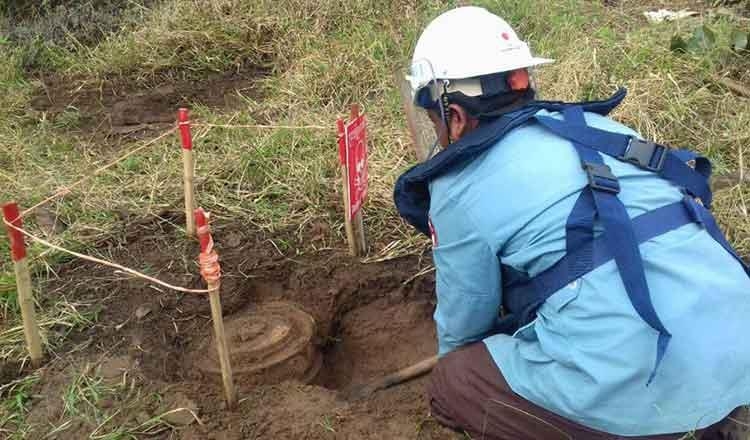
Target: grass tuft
<point>15,401</point>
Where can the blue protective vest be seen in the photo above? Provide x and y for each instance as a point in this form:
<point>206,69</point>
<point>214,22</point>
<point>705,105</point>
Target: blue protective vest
<point>585,251</point>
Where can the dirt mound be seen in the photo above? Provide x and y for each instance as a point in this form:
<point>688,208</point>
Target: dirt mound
<point>369,321</point>
<point>121,107</point>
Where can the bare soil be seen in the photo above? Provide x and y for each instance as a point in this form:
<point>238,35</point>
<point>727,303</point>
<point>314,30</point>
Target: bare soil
<point>121,106</point>
<point>369,320</point>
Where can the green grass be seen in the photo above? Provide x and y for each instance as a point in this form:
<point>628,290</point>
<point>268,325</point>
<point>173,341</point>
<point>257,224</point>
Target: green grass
<point>327,425</point>
<point>14,405</point>
<point>315,58</point>
<point>83,412</point>
<point>56,320</point>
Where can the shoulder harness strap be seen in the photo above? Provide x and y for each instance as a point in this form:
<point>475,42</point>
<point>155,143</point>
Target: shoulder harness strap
<point>622,236</point>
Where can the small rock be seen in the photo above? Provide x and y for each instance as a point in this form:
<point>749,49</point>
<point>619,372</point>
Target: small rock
<point>49,221</point>
<point>233,240</point>
<point>106,403</point>
<point>114,367</point>
<point>142,311</point>
<point>180,417</point>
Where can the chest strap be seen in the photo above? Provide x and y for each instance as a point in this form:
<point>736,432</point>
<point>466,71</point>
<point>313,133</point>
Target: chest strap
<point>524,295</point>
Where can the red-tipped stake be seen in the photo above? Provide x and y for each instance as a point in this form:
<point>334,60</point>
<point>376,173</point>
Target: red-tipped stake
<point>357,221</point>
<point>211,272</point>
<point>186,138</point>
<point>345,188</point>
<point>23,282</point>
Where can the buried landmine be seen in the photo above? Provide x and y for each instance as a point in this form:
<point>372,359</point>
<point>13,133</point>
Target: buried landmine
<point>271,344</point>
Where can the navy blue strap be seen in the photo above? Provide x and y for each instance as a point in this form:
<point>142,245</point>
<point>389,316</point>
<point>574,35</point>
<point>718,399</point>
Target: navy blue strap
<point>646,226</point>
<point>579,234</point>
<point>516,292</point>
<point>579,228</point>
<point>703,216</point>
<point>618,229</point>
<point>701,164</point>
<point>646,155</point>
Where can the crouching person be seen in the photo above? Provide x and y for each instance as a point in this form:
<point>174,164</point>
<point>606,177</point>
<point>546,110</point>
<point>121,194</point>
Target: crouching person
<point>584,288</point>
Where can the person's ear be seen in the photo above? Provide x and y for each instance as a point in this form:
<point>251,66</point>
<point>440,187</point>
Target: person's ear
<point>460,122</point>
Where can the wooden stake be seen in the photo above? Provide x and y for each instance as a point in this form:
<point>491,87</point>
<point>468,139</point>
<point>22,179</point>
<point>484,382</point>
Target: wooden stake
<point>23,283</point>
<point>359,227</point>
<point>350,237</point>
<point>221,345</point>
<point>358,224</point>
<point>204,234</point>
<point>188,169</point>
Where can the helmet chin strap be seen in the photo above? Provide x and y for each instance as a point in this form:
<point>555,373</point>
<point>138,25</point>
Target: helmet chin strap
<point>445,110</point>
<point>436,148</point>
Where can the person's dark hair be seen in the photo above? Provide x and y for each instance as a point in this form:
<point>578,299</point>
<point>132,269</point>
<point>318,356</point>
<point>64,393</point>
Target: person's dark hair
<point>487,108</point>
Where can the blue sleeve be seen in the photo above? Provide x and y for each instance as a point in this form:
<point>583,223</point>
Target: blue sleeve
<point>468,279</point>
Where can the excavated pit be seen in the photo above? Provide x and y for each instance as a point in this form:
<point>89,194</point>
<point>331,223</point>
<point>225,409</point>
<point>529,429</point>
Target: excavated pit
<point>378,338</point>
<point>272,344</point>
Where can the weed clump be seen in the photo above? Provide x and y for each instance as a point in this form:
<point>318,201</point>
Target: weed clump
<point>49,32</point>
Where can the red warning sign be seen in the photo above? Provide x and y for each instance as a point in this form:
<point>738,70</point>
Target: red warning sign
<point>353,154</point>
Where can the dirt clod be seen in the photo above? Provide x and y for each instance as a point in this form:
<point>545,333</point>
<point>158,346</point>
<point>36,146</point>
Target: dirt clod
<point>183,411</point>
<point>142,417</point>
<point>142,311</point>
<point>113,368</point>
<point>49,221</point>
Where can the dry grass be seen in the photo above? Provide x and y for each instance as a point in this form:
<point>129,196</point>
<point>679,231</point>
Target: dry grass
<point>321,56</point>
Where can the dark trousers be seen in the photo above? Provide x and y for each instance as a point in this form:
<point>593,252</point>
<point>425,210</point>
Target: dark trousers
<point>468,393</point>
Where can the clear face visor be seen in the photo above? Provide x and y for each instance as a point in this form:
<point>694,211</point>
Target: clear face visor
<point>421,95</point>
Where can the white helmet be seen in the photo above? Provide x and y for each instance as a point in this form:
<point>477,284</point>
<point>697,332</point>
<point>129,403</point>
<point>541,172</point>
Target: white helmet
<point>471,41</point>
<point>460,51</point>
<point>468,42</point>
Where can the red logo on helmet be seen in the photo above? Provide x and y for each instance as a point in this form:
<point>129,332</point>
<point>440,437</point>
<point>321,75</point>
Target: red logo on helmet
<point>505,36</point>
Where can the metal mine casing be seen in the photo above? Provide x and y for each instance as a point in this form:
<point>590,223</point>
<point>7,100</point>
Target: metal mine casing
<point>270,345</point>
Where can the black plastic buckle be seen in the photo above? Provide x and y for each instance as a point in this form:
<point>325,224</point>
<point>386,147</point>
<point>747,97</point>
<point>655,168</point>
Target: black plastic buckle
<point>601,177</point>
<point>642,153</point>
